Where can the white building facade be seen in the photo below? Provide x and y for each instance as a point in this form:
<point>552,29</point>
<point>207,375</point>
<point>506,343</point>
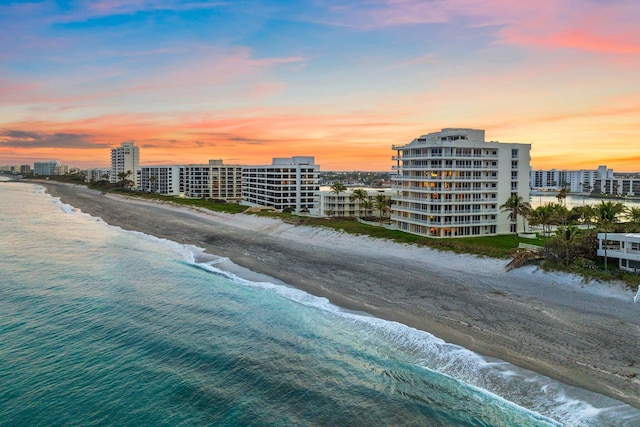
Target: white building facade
<point>125,159</point>
<point>160,179</point>
<point>618,184</point>
<point>451,184</point>
<point>213,180</point>
<point>97,174</point>
<point>343,204</point>
<point>622,246</point>
<point>599,181</point>
<point>576,181</point>
<point>285,183</point>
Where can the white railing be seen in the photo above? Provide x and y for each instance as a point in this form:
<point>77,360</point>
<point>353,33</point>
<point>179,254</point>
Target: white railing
<point>529,247</point>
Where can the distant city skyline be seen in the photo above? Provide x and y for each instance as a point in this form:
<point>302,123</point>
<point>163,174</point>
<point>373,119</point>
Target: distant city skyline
<point>249,81</point>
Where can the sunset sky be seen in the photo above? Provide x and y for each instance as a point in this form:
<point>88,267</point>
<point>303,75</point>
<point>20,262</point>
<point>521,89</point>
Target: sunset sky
<point>341,80</point>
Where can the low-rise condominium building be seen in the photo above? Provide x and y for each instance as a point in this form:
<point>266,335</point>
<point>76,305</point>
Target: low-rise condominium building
<point>285,183</point>
<point>160,179</point>
<point>213,180</point>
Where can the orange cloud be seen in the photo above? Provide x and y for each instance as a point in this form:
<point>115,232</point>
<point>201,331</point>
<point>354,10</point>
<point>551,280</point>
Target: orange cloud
<point>351,142</point>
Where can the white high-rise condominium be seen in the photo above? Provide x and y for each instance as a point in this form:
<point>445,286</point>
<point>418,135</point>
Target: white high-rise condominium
<point>125,160</point>
<point>451,184</point>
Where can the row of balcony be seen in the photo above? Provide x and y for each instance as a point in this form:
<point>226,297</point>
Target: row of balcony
<point>486,211</point>
<point>446,168</point>
<point>416,189</point>
<point>441,200</point>
<point>442,223</point>
<point>420,182</point>
<point>428,156</point>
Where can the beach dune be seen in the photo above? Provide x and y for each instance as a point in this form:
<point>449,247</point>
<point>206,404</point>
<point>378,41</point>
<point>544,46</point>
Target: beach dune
<point>583,334</point>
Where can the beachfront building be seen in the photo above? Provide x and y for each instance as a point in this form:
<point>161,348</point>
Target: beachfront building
<point>96,174</point>
<point>344,203</point>
<point>213,180</point>
<point>160,179</point>
<point>451,183</point>
<point>14,170</point>
<point>625,247</point>
<point>52,167</point>
<point>125,161</point>
<point>285,183</point>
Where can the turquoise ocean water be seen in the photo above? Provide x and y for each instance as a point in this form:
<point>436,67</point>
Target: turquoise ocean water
<point>99,326</point>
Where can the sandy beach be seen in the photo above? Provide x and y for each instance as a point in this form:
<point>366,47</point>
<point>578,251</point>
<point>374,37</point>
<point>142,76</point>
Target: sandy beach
<point>583,334</point>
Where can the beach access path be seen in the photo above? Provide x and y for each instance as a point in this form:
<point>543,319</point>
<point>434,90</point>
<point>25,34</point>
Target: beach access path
<point>582,334</point>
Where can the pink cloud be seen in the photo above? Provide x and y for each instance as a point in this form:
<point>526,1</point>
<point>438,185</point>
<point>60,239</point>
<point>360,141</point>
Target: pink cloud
<point>606,27</point>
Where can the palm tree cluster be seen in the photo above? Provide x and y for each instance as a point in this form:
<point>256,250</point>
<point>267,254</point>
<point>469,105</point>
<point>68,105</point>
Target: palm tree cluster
<point>571,242</point>
<point>366,202</point>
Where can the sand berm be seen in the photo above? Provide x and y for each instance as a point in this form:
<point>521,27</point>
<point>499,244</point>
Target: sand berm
<point>582,334</point>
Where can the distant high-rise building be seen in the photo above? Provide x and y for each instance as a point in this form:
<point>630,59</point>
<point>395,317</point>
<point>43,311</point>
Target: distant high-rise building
<point>285,183</point>
<point>451,183</point>
<point>52,167</point>
<point>576,181</point>
<point>125,160</point>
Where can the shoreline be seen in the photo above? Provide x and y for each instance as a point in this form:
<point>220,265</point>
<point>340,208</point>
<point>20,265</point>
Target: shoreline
<point>583,335</point>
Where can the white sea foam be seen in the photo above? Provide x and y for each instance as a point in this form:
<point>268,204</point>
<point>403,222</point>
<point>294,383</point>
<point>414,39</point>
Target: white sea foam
<point>535,394</point>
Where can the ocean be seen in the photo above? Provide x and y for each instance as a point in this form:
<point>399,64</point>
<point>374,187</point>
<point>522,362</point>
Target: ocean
<point>101,326</point>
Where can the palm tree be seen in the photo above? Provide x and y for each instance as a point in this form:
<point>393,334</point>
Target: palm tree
<point>338,187</point>
<point>543,215</point>
<point>122,176</point>
<point>607,215</point>
<point>633,215</point>
<point>562,195</point>
<point>566,237</point>
<point>359,195</point>
<point>367,205</point>
<point>381,202</point>
<point>516,206</point>
<point>561,213</point>
<point>152,180</point>
<point>586,213</point>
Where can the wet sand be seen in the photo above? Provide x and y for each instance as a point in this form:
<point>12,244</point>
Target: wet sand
<point>586,335</point>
